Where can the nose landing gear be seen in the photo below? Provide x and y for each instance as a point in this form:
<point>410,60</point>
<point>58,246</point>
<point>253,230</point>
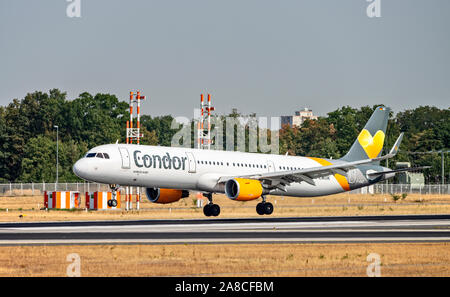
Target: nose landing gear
<point>264,208</point>
<point>113,201</point>
<point>211,209</point>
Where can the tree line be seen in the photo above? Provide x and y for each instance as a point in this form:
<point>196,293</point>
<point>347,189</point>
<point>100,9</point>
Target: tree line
<point>28,134</point>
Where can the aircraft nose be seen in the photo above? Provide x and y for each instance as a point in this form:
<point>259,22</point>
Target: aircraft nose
<point>79,168</point>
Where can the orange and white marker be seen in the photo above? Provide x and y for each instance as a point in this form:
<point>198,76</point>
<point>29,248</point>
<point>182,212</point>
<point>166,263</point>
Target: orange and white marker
<point>127,197</point>
<point>131,198</point>
<point>62,200</point>
<point>138,198</point>
<point>99,200</point>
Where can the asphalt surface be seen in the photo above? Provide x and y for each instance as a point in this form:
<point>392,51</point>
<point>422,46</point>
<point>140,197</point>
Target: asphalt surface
<point>416,228</point>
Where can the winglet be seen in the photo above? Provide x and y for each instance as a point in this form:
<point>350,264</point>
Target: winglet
<point>397,143</point>
<point>393,150</point>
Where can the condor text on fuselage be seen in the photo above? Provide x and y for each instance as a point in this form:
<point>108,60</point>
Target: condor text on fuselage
<point>156,161</point>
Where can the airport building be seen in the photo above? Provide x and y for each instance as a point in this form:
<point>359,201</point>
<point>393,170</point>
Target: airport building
<point>415,179</point>
<point>298,118</point>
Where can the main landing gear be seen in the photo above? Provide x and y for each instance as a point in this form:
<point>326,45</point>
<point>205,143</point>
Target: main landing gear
<point>113,201</point>
<point>264,207</point>
<point>211,209</point>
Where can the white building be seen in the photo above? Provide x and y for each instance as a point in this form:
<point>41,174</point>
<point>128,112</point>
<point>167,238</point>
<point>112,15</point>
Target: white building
<point>299,117</point>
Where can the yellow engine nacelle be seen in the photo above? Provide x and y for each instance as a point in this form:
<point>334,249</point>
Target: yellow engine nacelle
<point>164,196</point>
<point>242,189</point>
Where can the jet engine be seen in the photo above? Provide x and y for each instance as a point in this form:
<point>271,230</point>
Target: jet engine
<point>163,196</point>
<point>242,189</point>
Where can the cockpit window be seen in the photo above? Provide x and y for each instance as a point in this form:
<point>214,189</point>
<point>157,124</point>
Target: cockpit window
<point>98,155</point>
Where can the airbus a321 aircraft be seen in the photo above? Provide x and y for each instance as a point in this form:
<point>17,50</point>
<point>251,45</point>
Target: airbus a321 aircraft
<point>169,173</point>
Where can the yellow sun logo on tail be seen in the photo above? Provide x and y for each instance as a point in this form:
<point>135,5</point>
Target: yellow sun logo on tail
<point>371,145</point>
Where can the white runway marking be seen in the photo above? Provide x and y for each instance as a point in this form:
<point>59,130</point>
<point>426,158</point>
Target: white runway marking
<point>228,231</point>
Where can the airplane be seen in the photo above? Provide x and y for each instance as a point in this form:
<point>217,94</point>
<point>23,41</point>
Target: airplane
<point>169,173</point>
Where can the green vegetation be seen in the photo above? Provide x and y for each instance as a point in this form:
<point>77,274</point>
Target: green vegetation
<point>395,197</point>
<point>426,129</point>
<point>28,136</point>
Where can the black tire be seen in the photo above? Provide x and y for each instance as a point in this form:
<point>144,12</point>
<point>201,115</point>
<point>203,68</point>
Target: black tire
<point>207,210</point>
<point>268,208</point>
<point>216,210</point>
<point>211,210</point>
<point>113,203</point>
<point>260,209</point>
<point>109,203</point>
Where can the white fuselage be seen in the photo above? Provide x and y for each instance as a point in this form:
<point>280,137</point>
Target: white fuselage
<point>199,170</point>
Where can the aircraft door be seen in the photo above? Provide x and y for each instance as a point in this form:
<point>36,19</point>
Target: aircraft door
<point>125,157</point>
<point>270,166</point>
<point>191,160</point>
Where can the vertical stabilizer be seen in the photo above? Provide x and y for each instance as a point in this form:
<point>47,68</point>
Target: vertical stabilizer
<point>369,143</point>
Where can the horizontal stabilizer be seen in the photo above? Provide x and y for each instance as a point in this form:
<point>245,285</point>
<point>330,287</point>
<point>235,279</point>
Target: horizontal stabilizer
<point>398,170</point>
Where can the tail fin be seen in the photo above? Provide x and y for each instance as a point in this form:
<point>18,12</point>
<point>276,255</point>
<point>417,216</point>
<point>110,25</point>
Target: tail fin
<point>369,143</point>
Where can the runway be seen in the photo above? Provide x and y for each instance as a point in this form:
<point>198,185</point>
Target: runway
<point>419,228</point>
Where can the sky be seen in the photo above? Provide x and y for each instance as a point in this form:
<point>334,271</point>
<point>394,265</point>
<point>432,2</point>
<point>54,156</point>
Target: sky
<point>259,56</point>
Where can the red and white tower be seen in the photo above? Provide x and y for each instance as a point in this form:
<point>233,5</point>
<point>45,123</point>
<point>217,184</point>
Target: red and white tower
<point>134,134</point>
<point>204,132</point>
<point>204,124</point>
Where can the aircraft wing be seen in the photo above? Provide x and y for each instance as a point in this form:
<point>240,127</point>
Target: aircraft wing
<point>280,179</point>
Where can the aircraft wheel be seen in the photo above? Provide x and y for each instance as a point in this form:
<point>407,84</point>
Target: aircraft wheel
<point>109,203</point>
<point>215,210</point>
<point>113,203</point>
<point>260,208</point>
<point>207,210</point>
<point>268,208</point>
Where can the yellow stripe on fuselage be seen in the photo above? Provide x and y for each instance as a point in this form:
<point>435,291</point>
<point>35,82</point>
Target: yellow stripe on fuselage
<point>340,178</point>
